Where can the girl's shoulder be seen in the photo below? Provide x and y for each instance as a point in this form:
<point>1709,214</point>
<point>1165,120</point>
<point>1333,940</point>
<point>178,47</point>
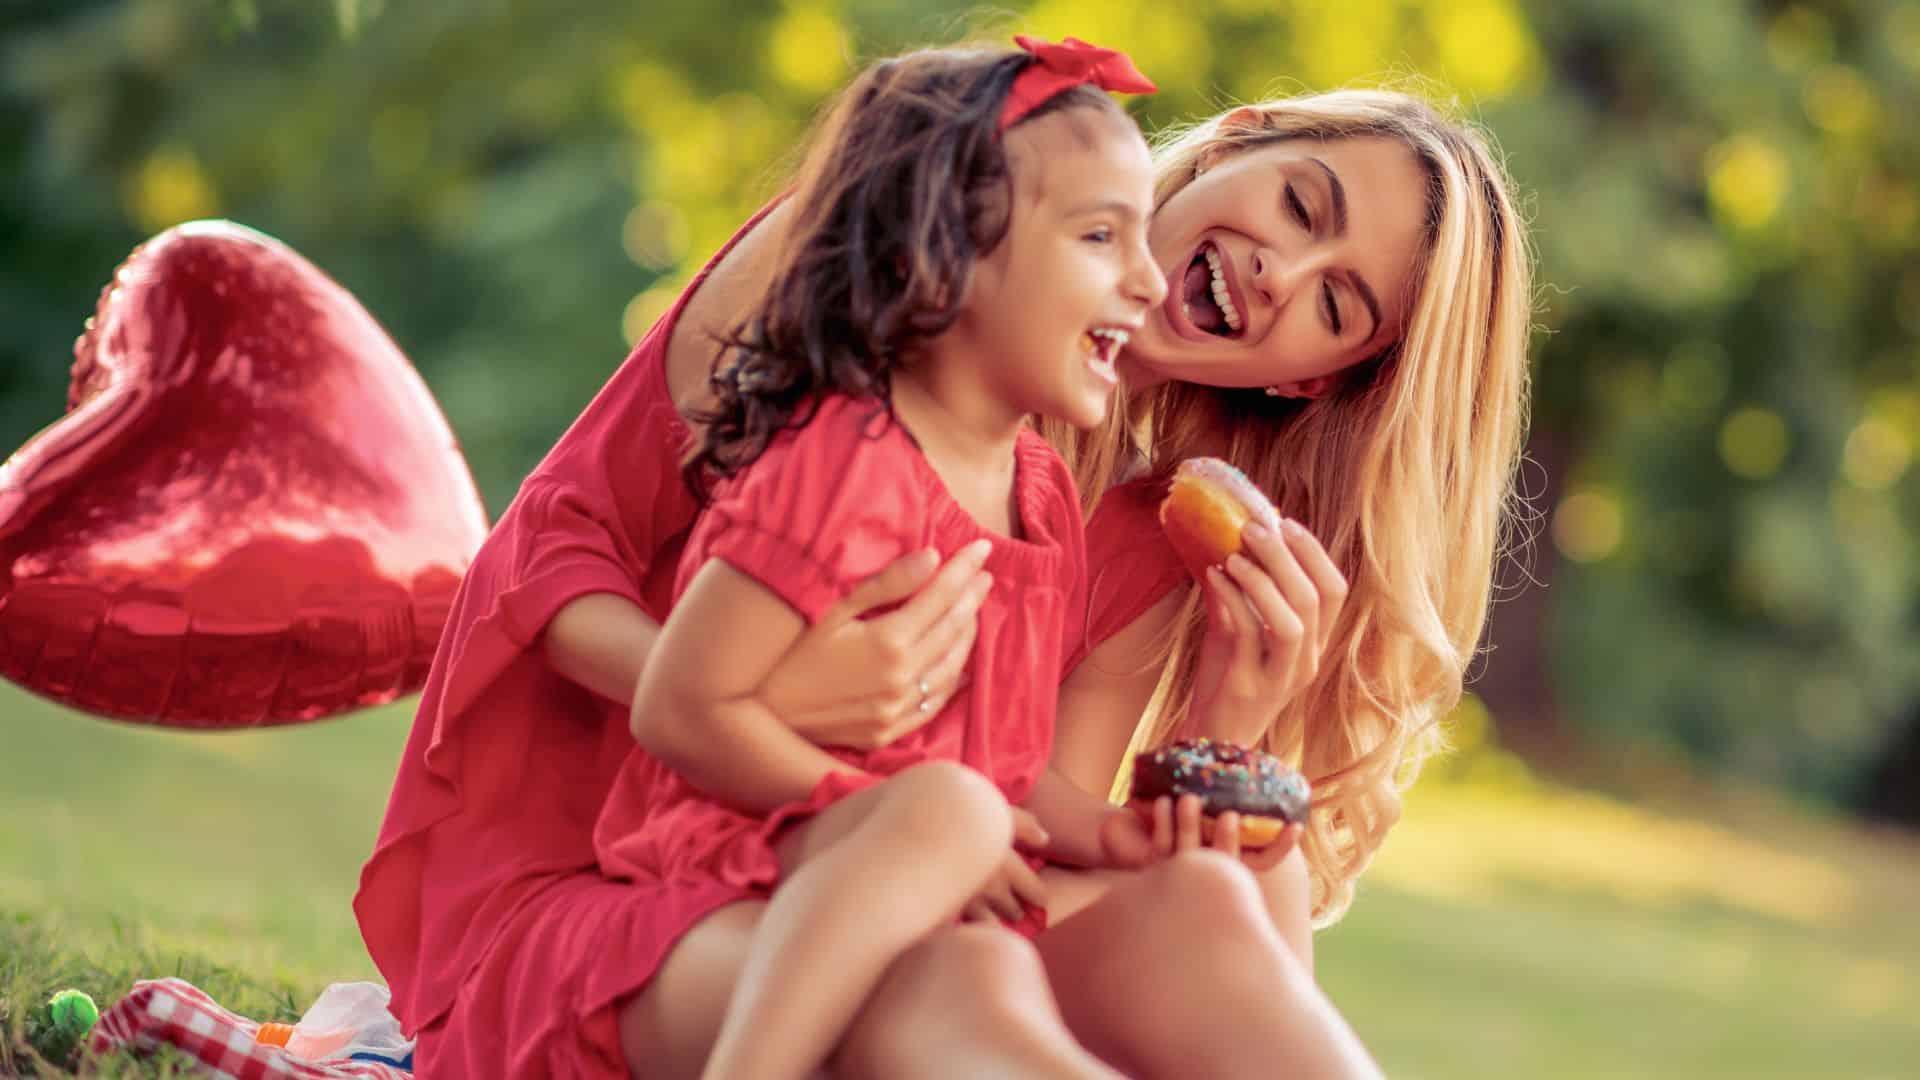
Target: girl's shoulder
<point>835,444</point>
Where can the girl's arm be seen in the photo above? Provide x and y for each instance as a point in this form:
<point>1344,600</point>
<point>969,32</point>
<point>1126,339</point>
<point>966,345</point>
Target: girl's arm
<point>696,706</point>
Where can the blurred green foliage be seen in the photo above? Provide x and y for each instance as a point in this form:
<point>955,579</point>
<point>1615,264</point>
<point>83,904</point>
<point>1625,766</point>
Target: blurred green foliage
<point>1724,198</point>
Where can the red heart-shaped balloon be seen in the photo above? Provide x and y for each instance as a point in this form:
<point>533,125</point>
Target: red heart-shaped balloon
<point>253,511</point>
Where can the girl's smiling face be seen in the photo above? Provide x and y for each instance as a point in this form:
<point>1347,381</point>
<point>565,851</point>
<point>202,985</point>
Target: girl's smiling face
<point>1051,306</point>
<point>1286,263</point>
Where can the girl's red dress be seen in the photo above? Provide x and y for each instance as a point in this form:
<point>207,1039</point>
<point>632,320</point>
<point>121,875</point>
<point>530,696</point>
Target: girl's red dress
<point>828,504</point>
<point>507,950</point>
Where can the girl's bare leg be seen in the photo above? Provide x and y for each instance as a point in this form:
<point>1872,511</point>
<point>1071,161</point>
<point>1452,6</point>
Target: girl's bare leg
<point>864,881</point>
<point>1178,971</point>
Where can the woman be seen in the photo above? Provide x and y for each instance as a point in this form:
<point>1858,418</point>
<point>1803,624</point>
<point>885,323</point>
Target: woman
<point>1422,226</point>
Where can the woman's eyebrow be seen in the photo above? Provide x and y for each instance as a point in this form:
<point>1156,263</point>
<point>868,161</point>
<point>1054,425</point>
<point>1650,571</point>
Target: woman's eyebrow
<point>1339,196</point>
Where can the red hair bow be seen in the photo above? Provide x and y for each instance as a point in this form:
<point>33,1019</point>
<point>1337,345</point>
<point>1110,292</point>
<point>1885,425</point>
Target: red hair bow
<point>1064,66</point>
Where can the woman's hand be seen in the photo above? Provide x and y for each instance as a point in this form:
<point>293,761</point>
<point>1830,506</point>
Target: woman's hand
<point>1015,881</point>
<point>1268,624</point>
<point>862,683</point>
<point>1151,831</point>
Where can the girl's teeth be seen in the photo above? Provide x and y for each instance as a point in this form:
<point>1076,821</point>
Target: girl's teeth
<point>1221,295</point>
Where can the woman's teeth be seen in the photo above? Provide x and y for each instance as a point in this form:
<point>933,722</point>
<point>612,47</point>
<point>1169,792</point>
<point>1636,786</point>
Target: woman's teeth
<point>1221,295</point>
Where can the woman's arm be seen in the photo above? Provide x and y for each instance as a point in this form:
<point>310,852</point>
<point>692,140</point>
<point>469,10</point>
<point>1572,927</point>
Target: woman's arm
<point>1103,698</point>
<point>848,681</point>
<point>696,706</point>
<point>602,642</point>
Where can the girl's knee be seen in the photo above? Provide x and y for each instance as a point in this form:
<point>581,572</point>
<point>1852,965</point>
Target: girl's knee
<point>947,806</point>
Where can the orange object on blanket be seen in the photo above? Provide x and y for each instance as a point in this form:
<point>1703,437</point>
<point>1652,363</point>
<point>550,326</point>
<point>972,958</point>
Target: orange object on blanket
<point>273,1034</point>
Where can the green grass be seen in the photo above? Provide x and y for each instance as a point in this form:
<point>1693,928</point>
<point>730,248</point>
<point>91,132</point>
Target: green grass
<point>1512,928</point>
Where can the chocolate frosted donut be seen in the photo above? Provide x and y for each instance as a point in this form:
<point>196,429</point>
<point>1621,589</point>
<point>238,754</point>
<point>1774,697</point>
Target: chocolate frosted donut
<point>1252,783</point>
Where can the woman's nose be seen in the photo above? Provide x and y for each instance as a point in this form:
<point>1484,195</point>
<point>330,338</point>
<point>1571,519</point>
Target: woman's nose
<point>1277,275</point>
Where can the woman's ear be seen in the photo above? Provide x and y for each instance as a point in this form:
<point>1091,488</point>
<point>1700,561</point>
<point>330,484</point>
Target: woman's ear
<point>1305,389</point>
<point>1242,121</point>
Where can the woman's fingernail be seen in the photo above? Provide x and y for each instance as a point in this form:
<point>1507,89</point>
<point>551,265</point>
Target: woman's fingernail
<point>1255,532</point>
<point>979,550</point>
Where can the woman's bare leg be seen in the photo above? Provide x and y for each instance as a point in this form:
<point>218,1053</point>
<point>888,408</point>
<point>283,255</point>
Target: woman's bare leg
<point>967,1002</point>
<point>1285,891</point>
<point>1226,996</point>
<point>970,1001</point>
<point>667,1029</point>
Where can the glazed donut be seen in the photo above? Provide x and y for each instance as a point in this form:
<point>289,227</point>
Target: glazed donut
<point>1259,787</point>
<point>1208,504</point>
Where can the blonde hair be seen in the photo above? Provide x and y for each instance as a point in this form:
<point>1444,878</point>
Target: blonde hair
<point>1404,472</point>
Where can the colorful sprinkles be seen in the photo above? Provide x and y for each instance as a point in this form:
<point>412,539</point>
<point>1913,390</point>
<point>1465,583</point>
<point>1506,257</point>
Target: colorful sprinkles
<point>1226,777</point>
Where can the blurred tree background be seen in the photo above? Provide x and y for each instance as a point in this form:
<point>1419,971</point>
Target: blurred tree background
<point>1725,198</point>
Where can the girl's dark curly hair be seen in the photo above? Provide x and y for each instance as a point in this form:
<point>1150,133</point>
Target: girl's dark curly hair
<point>905,186</point>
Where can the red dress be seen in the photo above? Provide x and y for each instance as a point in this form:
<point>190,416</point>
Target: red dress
<point>828,504</point>
<point>481,903</point>
<point>1131,565</point>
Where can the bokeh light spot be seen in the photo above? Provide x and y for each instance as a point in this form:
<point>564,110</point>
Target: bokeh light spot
<point>645,309</point>
<point>170,187</point>
<point>1877,455</point>
<point>1485,46</point>
<point>1753,443</point>
<point>1589,525</point>
<point>654,235</point>
<point>1746,181</point>
<point>1799,39</point>
<point>809,49</point>
<point>1839,101</point>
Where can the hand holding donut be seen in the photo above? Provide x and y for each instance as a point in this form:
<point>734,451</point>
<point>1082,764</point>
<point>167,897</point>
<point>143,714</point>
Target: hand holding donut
<point>1273,597</point>
<point>862,683</point>
<point>1196,793</point>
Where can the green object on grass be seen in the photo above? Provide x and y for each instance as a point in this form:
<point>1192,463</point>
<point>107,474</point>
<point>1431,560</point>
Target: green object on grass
<point>72,1012</point>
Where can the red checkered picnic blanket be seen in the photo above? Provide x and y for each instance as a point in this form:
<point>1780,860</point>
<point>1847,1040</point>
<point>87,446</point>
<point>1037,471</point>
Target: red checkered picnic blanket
<point>174,1012</point>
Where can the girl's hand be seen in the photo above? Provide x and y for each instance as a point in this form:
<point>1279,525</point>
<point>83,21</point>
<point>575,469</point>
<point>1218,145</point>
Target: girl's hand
<point>1015,881</point>
<point>1155,830</point>
<point>1268,623</point>
<point>862,683</point>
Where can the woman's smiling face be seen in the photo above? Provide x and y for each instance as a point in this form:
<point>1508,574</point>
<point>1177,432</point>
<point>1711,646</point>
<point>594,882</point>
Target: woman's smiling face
<point>1286,263</point>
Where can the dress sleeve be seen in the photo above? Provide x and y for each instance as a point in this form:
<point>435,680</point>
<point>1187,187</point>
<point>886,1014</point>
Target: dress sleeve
<point>827,505</point>
<point>1131,566</point>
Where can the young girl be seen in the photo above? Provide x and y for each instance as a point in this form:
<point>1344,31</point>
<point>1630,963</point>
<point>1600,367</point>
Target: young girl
<point>940,282</point>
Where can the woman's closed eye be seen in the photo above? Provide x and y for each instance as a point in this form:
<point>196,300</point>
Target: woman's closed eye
<point>1298,209</point>
<point>1332,306</point>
